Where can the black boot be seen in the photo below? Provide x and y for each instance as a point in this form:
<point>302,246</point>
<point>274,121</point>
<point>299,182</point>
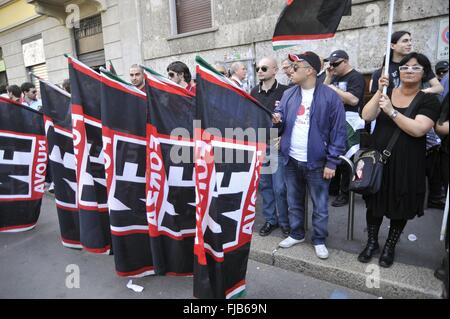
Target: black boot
<point>387,256</point>
<point>372,246</point>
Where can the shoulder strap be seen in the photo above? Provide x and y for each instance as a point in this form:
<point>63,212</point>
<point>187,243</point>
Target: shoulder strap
<point>387,151</point>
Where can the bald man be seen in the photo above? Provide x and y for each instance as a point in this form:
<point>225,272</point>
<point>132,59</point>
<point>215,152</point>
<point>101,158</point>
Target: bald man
<point>137,77</point>
<point>272,186</point>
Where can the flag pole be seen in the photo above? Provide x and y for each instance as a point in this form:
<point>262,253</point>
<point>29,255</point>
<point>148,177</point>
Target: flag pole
<point>444,220</point>
<point>388,42</point>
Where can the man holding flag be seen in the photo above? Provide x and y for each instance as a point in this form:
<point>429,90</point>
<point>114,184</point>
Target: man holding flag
<point>312,119</point>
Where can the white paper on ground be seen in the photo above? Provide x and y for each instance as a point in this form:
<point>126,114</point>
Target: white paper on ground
<point>135,288</point>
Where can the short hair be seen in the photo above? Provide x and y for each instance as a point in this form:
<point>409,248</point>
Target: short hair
<point>421,58</point>
<point>137,66</point>
<point>25,87</point>
<point>15,90</point>
<point>180,67</point>
<point>235,66</point>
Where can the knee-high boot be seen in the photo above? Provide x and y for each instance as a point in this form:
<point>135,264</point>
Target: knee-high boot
<point>388,253</point>
<point>372,246</point>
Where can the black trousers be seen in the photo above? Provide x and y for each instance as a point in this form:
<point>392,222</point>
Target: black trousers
<point>433,173</point>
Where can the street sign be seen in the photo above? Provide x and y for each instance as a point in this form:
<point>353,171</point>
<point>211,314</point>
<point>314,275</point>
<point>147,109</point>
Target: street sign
<point>442,53</point>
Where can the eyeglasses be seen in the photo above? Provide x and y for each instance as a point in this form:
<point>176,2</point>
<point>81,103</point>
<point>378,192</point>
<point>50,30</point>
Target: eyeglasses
<point>262,68</point>
<point>295,67</point>
<point>414,68</point>
<point>336,64</point>
<point>171,74</point>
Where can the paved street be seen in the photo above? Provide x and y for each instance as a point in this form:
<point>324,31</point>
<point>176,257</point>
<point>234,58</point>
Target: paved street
<point>33,265</point>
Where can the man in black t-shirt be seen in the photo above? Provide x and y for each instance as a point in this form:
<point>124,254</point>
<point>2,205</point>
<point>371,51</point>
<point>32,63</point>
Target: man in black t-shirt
<point>349,84</point>
<point>272,187</point>
<point>401,45</point>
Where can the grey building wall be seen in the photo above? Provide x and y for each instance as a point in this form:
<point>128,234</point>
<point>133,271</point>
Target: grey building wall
<point>244,28</point>
<point>57,41</point>
<point>139,31</point>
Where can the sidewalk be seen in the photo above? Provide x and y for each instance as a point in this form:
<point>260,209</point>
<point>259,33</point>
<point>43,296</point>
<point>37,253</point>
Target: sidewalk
<point>411,276</point>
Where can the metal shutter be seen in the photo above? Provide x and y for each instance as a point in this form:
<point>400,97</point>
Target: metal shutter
<point>93,59</point>
<point>193,15</point>
<point>41,71</point>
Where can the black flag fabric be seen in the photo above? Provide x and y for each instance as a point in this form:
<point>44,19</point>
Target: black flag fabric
<point>58,128</point>
<point>308,20</point>
<point>85,86</point>
<point>23,166</point>
<point>226,186</point>
<point>171,185</point>
<point>123,114</point>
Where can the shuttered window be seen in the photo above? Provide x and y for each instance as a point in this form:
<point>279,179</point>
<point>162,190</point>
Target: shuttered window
<point>193,15</point>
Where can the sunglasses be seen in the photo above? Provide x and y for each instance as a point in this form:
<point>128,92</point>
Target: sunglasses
<point>262,68</point>
<point>295,67</point>
<point>414,68</point>
<point>171,74</point>
<point>336,64</point>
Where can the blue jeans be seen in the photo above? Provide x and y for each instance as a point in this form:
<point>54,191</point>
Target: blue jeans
<point>272,188</point>
<point>298,177</point>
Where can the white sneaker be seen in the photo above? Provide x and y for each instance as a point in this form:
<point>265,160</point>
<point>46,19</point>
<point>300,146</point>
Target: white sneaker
<point>289,242</point>
<point>321,251</point>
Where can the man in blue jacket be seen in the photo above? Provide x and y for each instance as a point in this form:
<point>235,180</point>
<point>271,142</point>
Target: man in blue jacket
<point>311,117</point>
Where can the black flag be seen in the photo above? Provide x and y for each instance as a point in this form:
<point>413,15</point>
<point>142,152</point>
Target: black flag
<point>226,186</point>
<point>23,166</point>
<point>85,86</point>
<point>123,113</point>
<point>170,186</point>
<point>308,20</point>
<point>58,128</point>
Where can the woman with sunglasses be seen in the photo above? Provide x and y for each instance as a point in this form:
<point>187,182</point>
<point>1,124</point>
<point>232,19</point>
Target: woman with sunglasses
<point>402,193</point>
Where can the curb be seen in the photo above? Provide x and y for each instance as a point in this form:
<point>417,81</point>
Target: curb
<point>342,268</point>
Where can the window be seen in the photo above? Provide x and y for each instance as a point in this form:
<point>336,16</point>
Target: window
<point>89,42</point>
<point>191,15</point>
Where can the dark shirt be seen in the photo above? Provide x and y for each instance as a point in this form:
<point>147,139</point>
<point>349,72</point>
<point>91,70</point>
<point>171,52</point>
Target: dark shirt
<point>272,97</point>
<point>354,83</point>
<point>394,78</point>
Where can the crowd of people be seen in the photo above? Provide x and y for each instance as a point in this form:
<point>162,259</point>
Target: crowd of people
<point>311,111</point>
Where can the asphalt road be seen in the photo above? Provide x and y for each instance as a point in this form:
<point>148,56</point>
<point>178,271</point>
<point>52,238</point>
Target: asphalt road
<point>34,264</point>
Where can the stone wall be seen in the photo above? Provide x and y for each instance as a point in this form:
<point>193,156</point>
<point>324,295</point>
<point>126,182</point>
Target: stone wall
<point>244,28</point>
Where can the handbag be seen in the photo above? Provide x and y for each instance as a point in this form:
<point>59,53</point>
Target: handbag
<point>368,173</point>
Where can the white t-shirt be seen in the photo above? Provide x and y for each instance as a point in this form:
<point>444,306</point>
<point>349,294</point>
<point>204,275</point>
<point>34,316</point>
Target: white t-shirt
<point>299,139</point>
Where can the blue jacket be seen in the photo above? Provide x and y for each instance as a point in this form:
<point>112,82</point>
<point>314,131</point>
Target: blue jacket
<point>327,129</point>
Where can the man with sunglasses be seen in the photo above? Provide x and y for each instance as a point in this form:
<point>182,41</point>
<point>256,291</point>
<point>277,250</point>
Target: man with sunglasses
<point>312,119</point>
<point>349,84</point>
<point>272,186</point>
<point>179,73</point>
<point>30,98</point>
<point>441,69</point>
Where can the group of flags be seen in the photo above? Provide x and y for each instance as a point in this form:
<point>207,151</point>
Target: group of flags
<point>119,186</point>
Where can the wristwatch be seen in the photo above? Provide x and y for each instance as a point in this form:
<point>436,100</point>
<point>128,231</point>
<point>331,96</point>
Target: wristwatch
<point>393,114</point>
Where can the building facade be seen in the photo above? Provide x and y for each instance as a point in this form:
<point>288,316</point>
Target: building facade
<point>35,34</point>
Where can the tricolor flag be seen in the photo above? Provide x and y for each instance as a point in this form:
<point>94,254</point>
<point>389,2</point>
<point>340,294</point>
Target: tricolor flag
<point>85,86</point>
<point>58,128</point>
<point>171,179</point>
<point>227,172</point>
<point>123,115</point>
<point>354,123</point>
<point>308,20</point>
<point>23,166</point>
